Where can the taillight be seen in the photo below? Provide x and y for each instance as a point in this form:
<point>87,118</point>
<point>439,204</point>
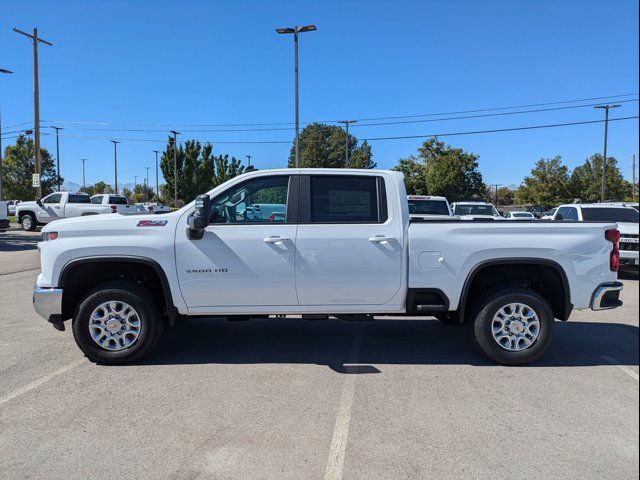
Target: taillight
<point>614,260</point>
<point>114,209</point>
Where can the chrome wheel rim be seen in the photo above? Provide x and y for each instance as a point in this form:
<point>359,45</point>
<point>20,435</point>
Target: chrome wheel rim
<point>26,222</point>
<point>114,325</point>
<point>515,327</point>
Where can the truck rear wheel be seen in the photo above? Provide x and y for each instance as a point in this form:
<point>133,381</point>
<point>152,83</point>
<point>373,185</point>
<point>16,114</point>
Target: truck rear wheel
<point>117,322</point>
<point>28,222</point>
<point>513,326</point>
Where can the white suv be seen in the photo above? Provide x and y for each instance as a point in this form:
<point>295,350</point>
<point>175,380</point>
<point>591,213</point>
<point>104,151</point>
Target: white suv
<point>625,216</point>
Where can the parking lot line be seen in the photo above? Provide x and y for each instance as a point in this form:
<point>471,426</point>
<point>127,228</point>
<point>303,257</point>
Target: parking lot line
<point>35,384</point>
<point>633,374</point>
<point>335,462</point>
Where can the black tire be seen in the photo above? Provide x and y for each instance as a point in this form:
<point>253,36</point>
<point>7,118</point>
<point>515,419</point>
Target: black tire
<point>28,222</point>
<point>151,322</point>
<point>487,307</point>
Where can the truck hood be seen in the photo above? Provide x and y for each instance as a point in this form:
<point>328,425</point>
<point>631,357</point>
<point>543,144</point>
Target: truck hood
<point>111,224</point>
<point>628,228</point>
<point>30,203</point>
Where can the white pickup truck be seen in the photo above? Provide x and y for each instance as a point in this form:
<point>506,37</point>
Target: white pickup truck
<point>345,245</point>
<point>56,206</point>
<point>117,204</point>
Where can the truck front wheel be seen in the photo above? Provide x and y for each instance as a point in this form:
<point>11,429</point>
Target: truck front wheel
<point>117,322</point>
<point>513,326</point>
<point>28,222</point>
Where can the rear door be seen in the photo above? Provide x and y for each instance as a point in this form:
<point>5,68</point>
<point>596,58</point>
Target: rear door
<point>350,250</point>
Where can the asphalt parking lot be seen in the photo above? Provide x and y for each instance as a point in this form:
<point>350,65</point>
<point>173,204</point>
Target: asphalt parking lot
<point>293,399</point>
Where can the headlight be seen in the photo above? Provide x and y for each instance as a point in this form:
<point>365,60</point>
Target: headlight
<point>48,236</point>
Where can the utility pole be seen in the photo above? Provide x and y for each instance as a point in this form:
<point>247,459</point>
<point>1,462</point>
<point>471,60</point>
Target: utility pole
<point>346,146</point>
<point>157,189</point>
<point>36,101</point>
<point>115,161</point>
<point>57,129</point>
<point>633,176</point>
<point>296,31</point>
<point>146,186</point>
<point>175,168</point>
<point>84,184</point>
<point>495,195</point>
<point>604,155</point>
<point>248,160</point>
<point>8,72</point>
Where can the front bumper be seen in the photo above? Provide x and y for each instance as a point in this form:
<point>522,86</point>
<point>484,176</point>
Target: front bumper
<point>47,302</point>
<point>606,296</point>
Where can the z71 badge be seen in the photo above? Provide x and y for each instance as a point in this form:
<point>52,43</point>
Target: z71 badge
<point>151,223</point>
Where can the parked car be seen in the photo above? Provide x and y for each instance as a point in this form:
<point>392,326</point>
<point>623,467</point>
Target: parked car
<point>346,246</point>
<point>476,211</point>
<point>550,214</point>
<point>626,218</point>
<point>12,204</point>
<point>118,204</point>
<point>261,212</point>
<point>520,216</point>
<point>56,206</point>
<point>4,215</point>
<point>428,206</point>
<point>155,207</point>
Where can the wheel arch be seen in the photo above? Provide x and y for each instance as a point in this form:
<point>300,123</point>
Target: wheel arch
<point>561,308</point>
<point>171,310</point>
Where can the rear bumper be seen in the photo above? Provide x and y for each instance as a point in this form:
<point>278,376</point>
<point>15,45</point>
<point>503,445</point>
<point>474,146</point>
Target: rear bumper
<point>606,296</point>
<point>47,302</point>
<point>629,257</point>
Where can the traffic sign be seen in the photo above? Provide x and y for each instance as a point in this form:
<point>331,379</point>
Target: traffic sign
<point>35,180</point>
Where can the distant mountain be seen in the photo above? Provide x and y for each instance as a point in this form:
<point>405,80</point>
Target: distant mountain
<point>71,186</point>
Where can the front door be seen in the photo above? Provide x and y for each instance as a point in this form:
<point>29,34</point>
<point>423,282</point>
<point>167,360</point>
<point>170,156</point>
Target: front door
<point>247,254</point>
<point>51,208</point>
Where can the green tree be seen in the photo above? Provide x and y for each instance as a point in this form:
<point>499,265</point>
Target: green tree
<point>503,196</point>
<point>441,169</point>
<point>323,146</point>
<point>586,180</point>
<point>18,167</point>
<point>97,188</point>
<point>198,170</point>
<point>547,185</point>
<point>415,175</point>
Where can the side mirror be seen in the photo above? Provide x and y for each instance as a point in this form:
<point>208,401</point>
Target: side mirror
<point>200,218</point>
<point>39,202</point>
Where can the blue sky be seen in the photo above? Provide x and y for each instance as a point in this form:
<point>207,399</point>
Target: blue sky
<point>220,62</point>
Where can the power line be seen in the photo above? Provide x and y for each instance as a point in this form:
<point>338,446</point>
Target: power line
<point>170,125</point>
<point>356,126</point>
<point>497,130</point>
<point>447,134</point>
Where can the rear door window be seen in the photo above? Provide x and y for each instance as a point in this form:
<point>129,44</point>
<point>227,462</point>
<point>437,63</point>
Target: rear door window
<point>113,200</point>
<point>75,198</point>
<point>96,200</point>
<point>346,199</point>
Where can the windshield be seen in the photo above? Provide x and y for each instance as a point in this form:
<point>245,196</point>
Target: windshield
<point>428,207</point>
<point>628,215</point>
<point>475,210</point>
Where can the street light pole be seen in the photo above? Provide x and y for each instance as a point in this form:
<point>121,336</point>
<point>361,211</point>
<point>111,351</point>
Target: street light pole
<point>175,168</point>
<point>2,70</point>
<point>296,31</point>
<point>84,184</point>
<point>36,101</point>
<point>157,189</point>
<point>248,160</point>
<point>115,162</point>
<point>495,195</point>
<point>146,186</point>
<point>57,129</point>
<point>346,146</point>
<point>604,155</point>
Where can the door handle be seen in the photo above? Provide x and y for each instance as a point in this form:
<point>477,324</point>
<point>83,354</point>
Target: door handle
<point>275,240</point>
<point>57,207</point>
<point>381,239</point>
